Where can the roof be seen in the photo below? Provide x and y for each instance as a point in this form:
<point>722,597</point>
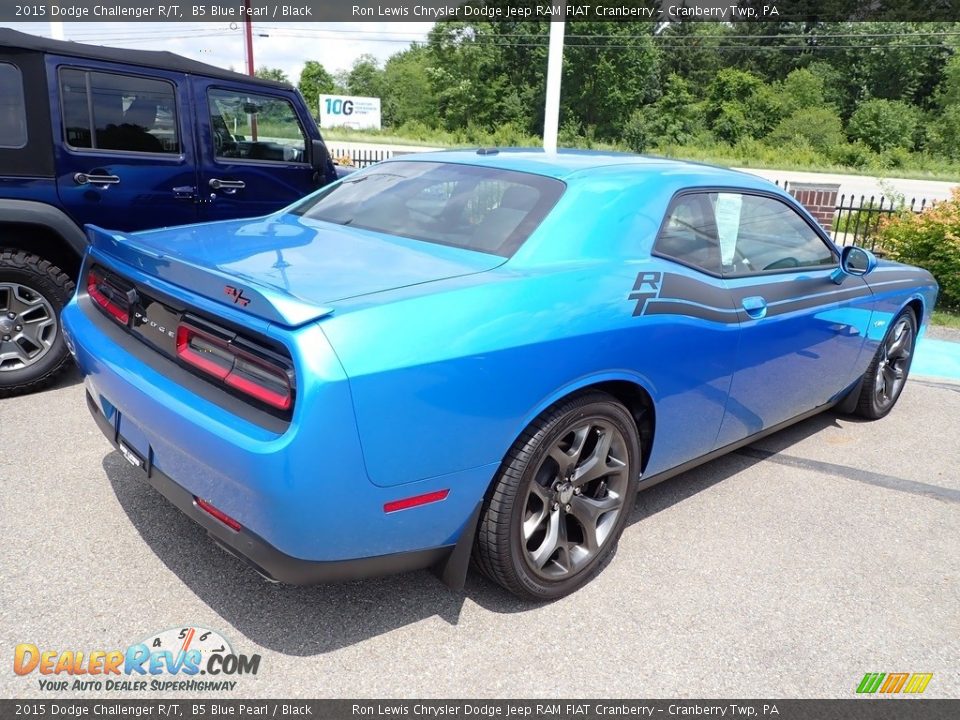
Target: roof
<point>564,163</point>
<point>145,58</point>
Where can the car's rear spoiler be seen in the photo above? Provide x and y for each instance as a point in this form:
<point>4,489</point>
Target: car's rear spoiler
<point>267,303</point>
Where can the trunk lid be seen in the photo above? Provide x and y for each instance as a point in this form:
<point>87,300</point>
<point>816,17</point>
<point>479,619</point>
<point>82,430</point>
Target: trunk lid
<point>284,268</point>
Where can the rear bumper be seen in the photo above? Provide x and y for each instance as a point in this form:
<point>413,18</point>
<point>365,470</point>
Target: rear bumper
<point>301,493</point>
<point>266,559</point>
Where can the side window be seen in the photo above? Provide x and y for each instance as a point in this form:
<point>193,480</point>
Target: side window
<point>105,111</point>
<point>760,233</point>
<point>255,127</point>
<point>13,117</point>
<point>689,233</point>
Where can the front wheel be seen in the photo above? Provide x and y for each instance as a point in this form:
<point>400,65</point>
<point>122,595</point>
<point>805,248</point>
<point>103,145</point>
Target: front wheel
<point>561,499</point>
<point>884,380</point>
<point>32,349</point>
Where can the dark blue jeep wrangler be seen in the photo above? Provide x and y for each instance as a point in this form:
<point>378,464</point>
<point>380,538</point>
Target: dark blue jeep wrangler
<point>128,140</point>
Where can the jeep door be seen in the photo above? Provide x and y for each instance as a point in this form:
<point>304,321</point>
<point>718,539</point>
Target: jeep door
<point>253,149</point>
<point>125,158</point>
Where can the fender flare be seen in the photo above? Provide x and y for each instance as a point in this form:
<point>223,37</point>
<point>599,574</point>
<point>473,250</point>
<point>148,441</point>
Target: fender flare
<point>30,212</point>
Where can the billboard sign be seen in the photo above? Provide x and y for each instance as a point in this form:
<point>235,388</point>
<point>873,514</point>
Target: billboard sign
<point>359,113</point>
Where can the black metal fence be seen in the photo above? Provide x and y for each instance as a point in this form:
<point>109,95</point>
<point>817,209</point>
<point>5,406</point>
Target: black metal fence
<point>359,157</point>
<point>857,221</point>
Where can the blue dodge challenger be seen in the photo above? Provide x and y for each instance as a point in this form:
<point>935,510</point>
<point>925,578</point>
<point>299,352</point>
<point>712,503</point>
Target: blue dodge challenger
<point>476,355</point>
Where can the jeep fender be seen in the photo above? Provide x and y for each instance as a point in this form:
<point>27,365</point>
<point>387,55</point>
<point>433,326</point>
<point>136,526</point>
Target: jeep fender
<point>28,212</point>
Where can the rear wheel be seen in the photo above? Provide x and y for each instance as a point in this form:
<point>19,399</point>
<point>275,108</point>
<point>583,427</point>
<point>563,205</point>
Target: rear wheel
<point>561,499</point>
<point>884,380</point>
<point>32,349</point>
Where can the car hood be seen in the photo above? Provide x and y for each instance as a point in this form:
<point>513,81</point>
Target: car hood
<point>317,262</point>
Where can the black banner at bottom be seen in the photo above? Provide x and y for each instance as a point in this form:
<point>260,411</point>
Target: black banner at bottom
<point>852,709</point>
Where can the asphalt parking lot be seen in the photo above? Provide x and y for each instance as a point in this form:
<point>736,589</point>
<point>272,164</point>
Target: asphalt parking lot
<point>788,569</point>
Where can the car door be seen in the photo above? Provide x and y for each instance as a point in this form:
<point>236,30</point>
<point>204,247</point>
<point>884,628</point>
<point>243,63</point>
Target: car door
<point>800,331</point>
<point>125,159</point>
<point>690,332</point>
<point>253,151</point>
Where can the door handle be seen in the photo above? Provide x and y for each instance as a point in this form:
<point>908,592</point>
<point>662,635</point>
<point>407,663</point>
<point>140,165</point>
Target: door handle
<point>94,179</point>
<point>228,186</point>
<point>755,306</point>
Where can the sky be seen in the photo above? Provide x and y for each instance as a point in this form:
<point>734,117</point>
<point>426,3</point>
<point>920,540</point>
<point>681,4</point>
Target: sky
<point>284,45</point>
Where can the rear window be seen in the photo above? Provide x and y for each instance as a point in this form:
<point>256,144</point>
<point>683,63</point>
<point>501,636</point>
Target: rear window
<point>465,206</point>
<point>13,118</point>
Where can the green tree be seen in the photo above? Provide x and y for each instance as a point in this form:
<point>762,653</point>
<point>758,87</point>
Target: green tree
<point>888,60</point>
<point>690,50</point>
<point>609,70</point>
<point>674,118</point>
<point>884,124</point>
<point>314,82</point>
<point>407,92</point>
<point>943,126</point>
<point>268,73</point>
<point>740,105</point>
<point>472,79</point>
<point>801,89</point>
<point>365,77</point>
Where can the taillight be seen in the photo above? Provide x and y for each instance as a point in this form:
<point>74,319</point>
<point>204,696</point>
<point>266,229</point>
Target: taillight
<point>218,514</point>
<point>114,300</point>
<point>258,377</point>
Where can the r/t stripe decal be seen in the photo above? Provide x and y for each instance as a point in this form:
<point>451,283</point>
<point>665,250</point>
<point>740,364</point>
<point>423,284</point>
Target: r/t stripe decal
<point>647,286</point>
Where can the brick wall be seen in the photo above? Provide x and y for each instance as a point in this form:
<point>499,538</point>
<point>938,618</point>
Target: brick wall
<point>820,199</point>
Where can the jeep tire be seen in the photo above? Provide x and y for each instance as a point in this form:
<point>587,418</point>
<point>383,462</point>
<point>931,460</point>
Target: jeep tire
<point>33,291</point>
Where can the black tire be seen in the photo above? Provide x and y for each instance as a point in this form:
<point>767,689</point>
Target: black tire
<point>48,281</point>
<point>503,545</point>
<point>876,401</point>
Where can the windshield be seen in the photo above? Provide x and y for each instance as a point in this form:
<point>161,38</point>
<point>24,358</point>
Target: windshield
<point>465,206</point>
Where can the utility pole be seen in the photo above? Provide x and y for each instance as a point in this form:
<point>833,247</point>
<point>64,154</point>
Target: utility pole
<point>248,29</point>
<point>551,112</point>
<point>251,71</point>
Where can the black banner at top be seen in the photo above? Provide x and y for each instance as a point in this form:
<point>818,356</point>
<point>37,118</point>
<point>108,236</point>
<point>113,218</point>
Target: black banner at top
<point>656,11</point>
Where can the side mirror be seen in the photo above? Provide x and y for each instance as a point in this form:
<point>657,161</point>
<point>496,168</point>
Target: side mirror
<point>854,261</point>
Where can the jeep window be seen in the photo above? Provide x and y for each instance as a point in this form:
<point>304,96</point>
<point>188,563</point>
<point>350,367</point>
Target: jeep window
<point>475,208</point>
<point>106,111</point>
<point>13,117</point>
<point>255,127</point>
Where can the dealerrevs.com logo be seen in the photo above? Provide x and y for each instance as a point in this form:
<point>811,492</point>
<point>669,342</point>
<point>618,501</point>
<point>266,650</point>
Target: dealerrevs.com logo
<point>177,660</point>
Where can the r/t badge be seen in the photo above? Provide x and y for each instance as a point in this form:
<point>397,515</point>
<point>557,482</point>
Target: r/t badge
<point>647,286</point>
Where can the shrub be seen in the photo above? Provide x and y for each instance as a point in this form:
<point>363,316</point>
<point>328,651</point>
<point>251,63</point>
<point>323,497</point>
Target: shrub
<point>636,132</point>
<point>855,154</point>
<point>931,240</point>
<point>884,124</point>
<point>818,126</point>
<point>943,134</point>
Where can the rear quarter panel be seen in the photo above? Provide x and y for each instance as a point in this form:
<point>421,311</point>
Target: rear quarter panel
<point>446,379</point>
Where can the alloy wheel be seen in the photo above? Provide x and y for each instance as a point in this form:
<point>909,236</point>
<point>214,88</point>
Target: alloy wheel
<point>894,362</point>
<point>574,499</point>
<point>28,326</point>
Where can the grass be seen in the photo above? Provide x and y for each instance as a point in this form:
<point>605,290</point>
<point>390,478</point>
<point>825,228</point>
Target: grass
<point>946,317</point>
